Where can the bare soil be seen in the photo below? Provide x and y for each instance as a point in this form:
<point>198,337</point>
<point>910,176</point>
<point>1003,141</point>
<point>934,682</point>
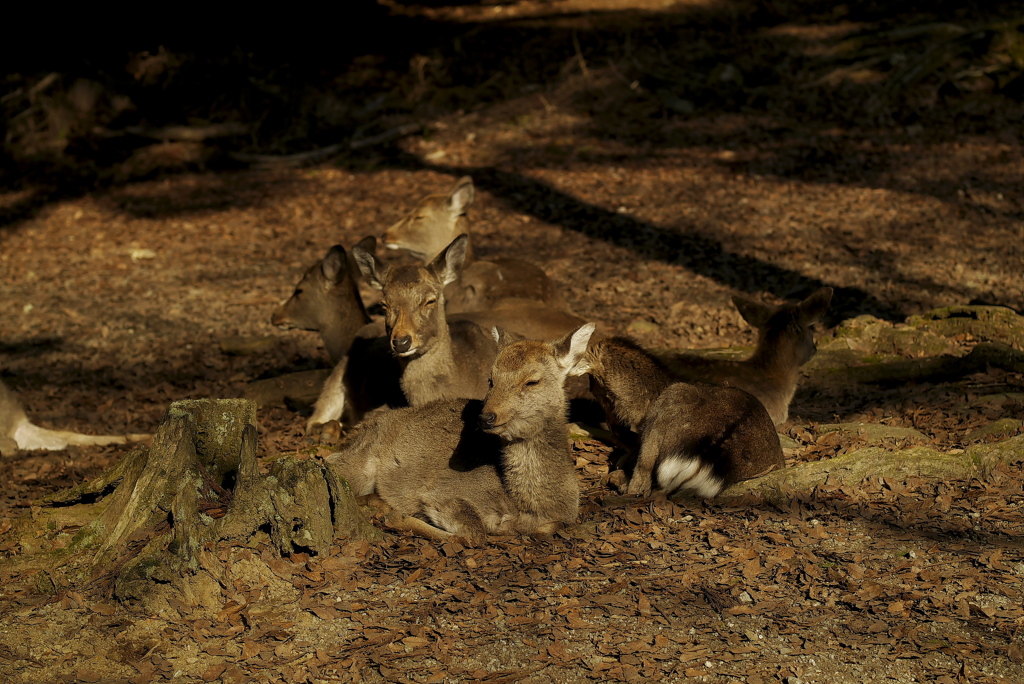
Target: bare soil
<point>655,159</point>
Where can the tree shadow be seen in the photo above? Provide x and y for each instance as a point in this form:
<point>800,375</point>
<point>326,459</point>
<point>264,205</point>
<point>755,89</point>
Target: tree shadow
<point>651,80</point>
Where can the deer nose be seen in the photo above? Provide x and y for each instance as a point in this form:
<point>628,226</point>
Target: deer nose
<point>401,344</point>
<point>487,420</point>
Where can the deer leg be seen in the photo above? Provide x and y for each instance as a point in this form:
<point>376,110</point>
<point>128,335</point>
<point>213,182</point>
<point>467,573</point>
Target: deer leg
<point>330,405</point>
<point>407,523</point>
<point>643,471</point>
<point>459,518</point>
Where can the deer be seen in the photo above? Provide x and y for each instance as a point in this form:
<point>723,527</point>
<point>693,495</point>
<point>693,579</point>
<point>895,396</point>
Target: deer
<point>483,285</point>
<point>470,467</point>
<point>18,432</point>
<point>440,359</point>
<point>692,437</point>
<point>327,300</point>
<point>785,343</point>
<point>365,374</point>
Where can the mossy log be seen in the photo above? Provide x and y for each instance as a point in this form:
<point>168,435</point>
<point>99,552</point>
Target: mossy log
<point>856,466</point>
<point>162,507</point>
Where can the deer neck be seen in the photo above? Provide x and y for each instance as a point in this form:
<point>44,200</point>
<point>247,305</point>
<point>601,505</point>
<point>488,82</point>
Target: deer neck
<point>429,375</point>
<point>774,358</point>
<point>340,326</point>
<point>529,464</point>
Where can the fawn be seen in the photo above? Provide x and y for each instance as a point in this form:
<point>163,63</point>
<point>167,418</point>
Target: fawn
<point>785,342</point>
<point>18,432</point>
<point>469,467</point>
<point>366,375</point>
<point>697,438</point>
<point>441,359</point>
<point>483,285</point>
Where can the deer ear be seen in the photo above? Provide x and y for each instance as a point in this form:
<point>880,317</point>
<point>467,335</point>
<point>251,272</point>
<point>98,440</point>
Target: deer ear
<point>461,196</point>
<point>447,265</point>
<point>501,337</point>
<point>815,306</point>
<point>374,271</point>
<point>571,350</point>
<point>754,313</point>
<point>368,244</point>
<point>333,265</point>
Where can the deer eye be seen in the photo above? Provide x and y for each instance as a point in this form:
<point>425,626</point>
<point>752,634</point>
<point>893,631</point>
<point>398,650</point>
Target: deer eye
<point>490,383</point>
<point>430,302</point>
<point>531,383</point>
<point>297,292</point>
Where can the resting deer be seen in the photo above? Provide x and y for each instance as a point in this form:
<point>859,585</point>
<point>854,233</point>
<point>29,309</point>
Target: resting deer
<point>785,342</point>
<point>366,375</point>
<point>441,359</point>
<point>327,300</point>
<point>483,285</point>
<point>471,468</point>
<point>695,438</point>
<point>18,432</point>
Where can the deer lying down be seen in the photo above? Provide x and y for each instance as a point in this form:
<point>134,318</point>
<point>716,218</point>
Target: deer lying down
<point>471,468</point>
<point>785,342</point>
<point>18,432</point>
<point>483,285</point>
<point>693,438</point>
<point>327,300</point>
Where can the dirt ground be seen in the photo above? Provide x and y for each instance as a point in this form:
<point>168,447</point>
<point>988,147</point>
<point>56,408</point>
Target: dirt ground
<point>656,159</point>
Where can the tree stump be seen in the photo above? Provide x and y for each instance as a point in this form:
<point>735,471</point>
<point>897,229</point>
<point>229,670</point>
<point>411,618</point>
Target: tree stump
<point>162,509</point>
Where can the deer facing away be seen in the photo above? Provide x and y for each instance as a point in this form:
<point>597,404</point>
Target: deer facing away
<point>696,438</point>
<point>785,342</point>
<point>470,467</point>
<point>18,432</point>
<point>483,285</point>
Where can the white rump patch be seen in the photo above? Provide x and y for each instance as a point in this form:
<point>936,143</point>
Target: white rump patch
<point>679,472</point>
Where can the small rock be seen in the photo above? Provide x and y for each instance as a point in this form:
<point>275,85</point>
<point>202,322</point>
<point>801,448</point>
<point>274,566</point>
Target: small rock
<point>745,597</point>
<point>643,327</point>
<point>788,442</point>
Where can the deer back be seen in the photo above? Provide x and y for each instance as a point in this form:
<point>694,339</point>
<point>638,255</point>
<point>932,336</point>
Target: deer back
<point>483,285</point>
<point>785,343</point>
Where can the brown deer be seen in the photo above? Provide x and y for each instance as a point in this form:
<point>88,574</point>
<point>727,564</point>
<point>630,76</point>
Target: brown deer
<point>441,359</point>
<point>693,438</point>
<point>327,300</point>
<point>472,468</point>
<point>785,342</point>
<point>366,375</point>
<point>18,432</point>
<point>483,285</point>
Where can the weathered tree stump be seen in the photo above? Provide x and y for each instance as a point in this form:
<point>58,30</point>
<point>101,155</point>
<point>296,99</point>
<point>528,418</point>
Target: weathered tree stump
<point>162,508</point>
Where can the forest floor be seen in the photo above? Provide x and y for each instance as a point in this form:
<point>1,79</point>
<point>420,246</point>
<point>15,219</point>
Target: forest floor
<point>650,210</point>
